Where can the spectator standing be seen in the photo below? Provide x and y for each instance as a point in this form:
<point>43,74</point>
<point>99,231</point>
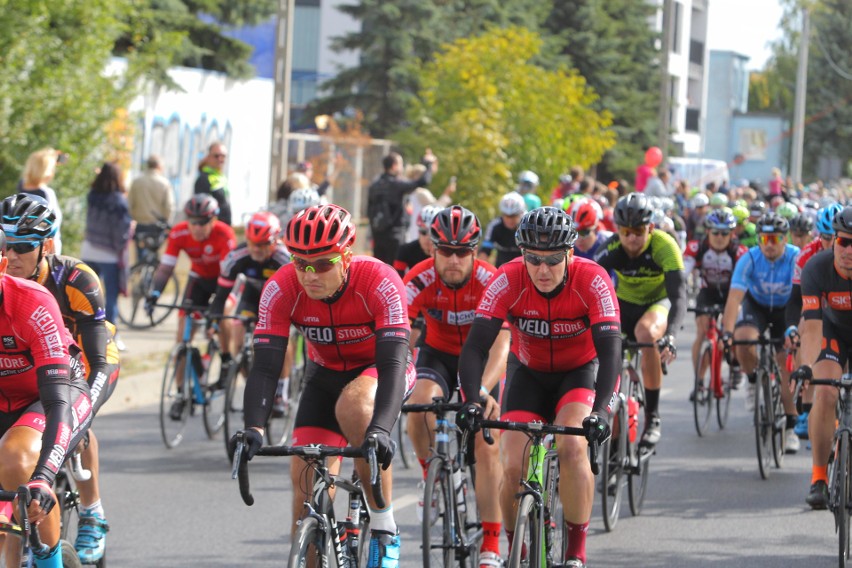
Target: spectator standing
<point>385,207</point>
<point>422,197</point>
<point>151,199</point>
<point>108,228</point>
<point>38,172</point>
<point>212,180</point>
<point>776,183</point>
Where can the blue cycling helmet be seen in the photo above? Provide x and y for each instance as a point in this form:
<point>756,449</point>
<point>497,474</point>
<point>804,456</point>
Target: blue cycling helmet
<point>720,219</point>
<point>824,218</point>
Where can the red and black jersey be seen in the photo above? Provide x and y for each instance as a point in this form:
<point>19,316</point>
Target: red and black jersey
<point>448,312</point>
<point>552,333</point>
<point>205,255</point>
<point>342,332</point>
<point>805,255</point>
<point>716,267</point>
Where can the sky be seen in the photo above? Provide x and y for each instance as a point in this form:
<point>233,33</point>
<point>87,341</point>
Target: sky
<point>744,26</point>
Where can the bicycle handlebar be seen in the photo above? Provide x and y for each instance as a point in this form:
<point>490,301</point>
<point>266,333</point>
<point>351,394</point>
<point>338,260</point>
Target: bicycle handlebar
<point>715,309</point>
<point>24,499</point>
<point>627,344</point>
<point>439,405</point>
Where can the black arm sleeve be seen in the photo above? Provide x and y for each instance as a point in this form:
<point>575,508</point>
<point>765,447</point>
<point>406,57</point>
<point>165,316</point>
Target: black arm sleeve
<point>161,276</point>
<point>93,337</point>
<point>262,382</point>
<point>793,311</point>
<point>474,355</point>
<point>676,290</point>
<point>54,392</point>
<point>218,304</point>
<point>608,346</point>
<point>391,362</point>
<point>323,188</point>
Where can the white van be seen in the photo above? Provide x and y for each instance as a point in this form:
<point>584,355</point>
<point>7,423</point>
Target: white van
<point>698,172</point>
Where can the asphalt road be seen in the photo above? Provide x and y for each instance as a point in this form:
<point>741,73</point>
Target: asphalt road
<point>706,504</point>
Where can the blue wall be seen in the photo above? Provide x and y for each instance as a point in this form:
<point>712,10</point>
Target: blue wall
<point>759,139</point>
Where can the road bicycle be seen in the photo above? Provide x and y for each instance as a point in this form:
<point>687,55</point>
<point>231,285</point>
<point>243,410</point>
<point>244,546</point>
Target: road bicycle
<point>840,467</point>
<point>625,462</point>
<point>188,384</point>
<point>321,540</point>
<point>770,420</point>
<point>540,530</point>
<point>451,529</point>
<point>131,310</point>
<point>28,535</point>
<point>712,382</point>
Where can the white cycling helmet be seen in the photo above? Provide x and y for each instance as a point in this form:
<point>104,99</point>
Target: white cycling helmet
<point>513,204</point>
<point>303,198</point>
<point>700,200</point>
<point>427,215</point>
<point>528,177</point>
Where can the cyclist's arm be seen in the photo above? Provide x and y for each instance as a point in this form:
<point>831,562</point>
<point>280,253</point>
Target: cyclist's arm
<point>392,345</point>
<point>474,352</point>
<point>262,381</point>
<point>732,307</point>
<point>793,311</point>
<point>495,368</point>
<point>93,336</point>
<point>607,340</point>
<point>811,330</point>
<point>675,281</point>
<point>87,304</point>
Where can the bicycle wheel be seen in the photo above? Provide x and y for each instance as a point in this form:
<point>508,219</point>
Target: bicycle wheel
<point>234,401</point>
<point>723,405</point>
<point>779,422</point>
<point>556,533</point>
<point>215,401</point>
<point>174,395</point>
<point>840,496</point>
<point>131,309</point>
<point>612,470</point>
<point>469,523</point>
<point>763,421</point>
<point>702,393</point>
<point>305,551</point>
<point>281,421</point>
<point>637,480</point>
<point>438,542</point>
<point>70,558</point>
<point>526,547</point>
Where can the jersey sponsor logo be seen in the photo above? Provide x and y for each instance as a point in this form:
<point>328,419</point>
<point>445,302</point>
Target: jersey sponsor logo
<point>49,331</point>
<point>839,301</point>
<point>810,303</point>
<point>605,300</point>
<point>396,313</point>
<point>460,318</point>
<point>353,334</point>
<point>14,362</point>
<point>208,249</point>
<point>555,330</point>
<point>9,342</point>
<point>497,286</point>
<point>532,313</point>
<point>75,274</point>
<point>57,454</point>
<point>483,275</point>
<point>270,291</point>
<point>324,335</point>
<point>311,319</point>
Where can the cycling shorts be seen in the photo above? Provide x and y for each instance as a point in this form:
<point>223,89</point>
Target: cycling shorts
<point>198,292</point>
<point>834,347</point>
<point>316,421</point>
<point>755,315</point>
<point>33,416</point>
<point>443,369</point>
<point>710,297</point>
<point>535,395</point>
<point>632,313</point>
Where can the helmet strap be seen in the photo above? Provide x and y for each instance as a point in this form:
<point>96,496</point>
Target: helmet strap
<point>34,275</point>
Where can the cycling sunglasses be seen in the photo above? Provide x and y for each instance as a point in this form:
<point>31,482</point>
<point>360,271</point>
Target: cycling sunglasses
<point>584,232</point>
<point>826,236</point>
<point>23,247</point>
<point>844,242</point>
<point>199,221</point>
<point>720,233</point>
<point>320,266</point>
<point>550,260</point>
<point>771,238</point>
<point>447,252</point>
<point>635,231</point>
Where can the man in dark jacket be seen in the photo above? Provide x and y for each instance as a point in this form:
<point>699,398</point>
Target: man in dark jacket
<point>385,206</point>
<point>211,179</point>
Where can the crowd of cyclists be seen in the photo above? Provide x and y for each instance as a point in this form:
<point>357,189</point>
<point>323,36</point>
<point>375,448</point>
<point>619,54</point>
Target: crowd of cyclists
<point>535,335</point>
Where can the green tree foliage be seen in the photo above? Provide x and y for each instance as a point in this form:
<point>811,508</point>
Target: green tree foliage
<point>488,112</point>
<point>612,45</point>
<point>396,36</point>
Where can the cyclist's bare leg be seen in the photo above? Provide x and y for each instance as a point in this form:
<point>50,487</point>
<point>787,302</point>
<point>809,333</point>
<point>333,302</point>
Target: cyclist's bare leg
<point>786,395</point>
<point>89,489</point>
<point>354,410</point>
<point>514,454</point>
<point>576,481</point>
<point>701,323</point>
<point>822,418</point>
<point>649,329</point>
<point>421,425</point>
<point>19,451</point>
<point>746,354</point>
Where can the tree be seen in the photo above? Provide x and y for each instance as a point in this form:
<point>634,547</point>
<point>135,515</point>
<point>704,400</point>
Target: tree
<point>612,45</point>
<point>488,112</point>
<point>396,36</point>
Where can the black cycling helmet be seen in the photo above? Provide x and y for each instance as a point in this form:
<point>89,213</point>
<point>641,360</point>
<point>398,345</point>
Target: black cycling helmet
<point>757,208</point>
<point>546,228</point>
<point>27,216</point>
<point>201,206</point>
<point>802,223</point>
<point>843,220</point>
<point>772,223</point>
<point>633,210</point>
<point>2,242</point>
<point>455,226</point>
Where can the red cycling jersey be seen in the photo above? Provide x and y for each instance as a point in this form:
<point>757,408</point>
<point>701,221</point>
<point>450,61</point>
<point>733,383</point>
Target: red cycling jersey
<point>552,334</point>
<point>805,255</point>
<point>448,311</point>
<point>205,255</point>
<point>341,333</point>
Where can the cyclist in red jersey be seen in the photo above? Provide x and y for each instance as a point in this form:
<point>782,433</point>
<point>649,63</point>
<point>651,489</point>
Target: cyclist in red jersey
<point>564,363</point>
<point>45,407</point>
<point>445,290</point>
<point>351,310</point>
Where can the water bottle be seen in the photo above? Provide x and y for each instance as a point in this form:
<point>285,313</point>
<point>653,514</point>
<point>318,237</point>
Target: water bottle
<point>353,520</point>
<point>633,417</point>
<point>458,486</point>
<point>205,364</point>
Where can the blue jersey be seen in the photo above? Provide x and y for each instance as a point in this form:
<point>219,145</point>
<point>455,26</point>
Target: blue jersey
<point>600,238</point>
<point>769,283</point>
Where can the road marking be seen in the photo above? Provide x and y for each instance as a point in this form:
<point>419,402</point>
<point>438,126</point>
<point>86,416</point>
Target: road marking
<point>405,501</point>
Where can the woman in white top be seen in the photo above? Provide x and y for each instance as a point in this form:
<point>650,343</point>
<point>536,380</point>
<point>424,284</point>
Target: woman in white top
<point>38,172</point>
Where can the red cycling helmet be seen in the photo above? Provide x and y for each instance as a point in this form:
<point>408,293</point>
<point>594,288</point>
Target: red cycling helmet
<point>318,230</point>
<point>586,213</point>
<point>263,228</point>
<point>456,226</point>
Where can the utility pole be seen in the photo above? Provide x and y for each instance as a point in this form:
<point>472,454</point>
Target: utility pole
<point>801,96</point>
<point>664,121</point>
<point>281,97</point>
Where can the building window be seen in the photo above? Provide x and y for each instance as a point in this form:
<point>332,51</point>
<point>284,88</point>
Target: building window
<point>692,118</point>
<point>696,52</point>
<point>676,27</point>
